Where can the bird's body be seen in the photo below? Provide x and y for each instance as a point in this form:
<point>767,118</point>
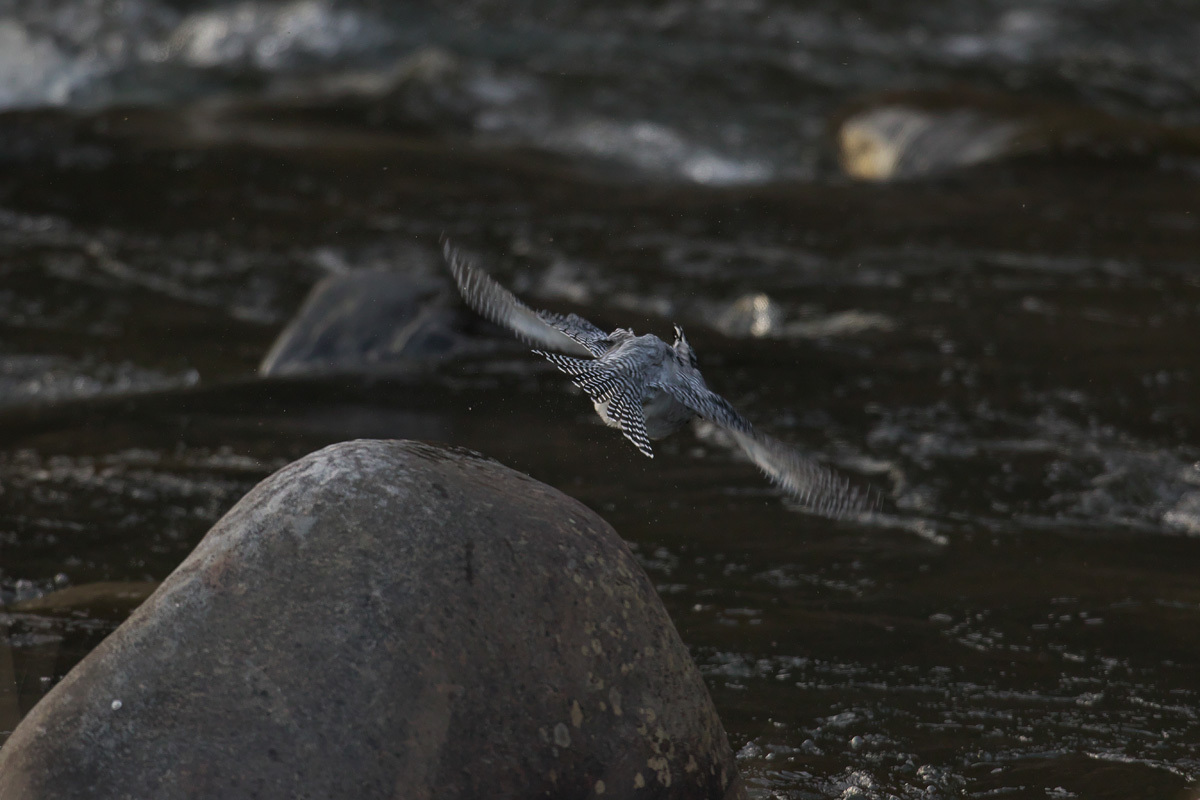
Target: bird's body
<point>639,369</point>
<point>649,389</point>
<point>663,414</point>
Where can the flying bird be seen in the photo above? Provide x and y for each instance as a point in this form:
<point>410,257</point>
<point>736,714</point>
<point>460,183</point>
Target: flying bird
<point>649,389</point>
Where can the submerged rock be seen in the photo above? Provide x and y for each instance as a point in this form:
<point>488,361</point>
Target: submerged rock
<point>373,321</point>
<point>387,619</point>
<point>103,599</point>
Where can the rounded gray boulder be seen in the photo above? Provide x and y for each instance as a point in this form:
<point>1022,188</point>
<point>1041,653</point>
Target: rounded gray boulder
<point>366,321</point>
<point>386,619</point>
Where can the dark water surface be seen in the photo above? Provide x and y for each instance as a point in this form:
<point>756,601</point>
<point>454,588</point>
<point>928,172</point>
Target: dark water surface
<point>1009,352</point>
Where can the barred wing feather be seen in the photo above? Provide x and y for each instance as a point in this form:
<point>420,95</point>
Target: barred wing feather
<point>580,330</point>
<point>819,488</point>
<point>494,302</point>
<point>621,392</point>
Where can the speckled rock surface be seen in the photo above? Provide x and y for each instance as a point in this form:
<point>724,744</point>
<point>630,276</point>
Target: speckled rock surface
<point>387,619</point>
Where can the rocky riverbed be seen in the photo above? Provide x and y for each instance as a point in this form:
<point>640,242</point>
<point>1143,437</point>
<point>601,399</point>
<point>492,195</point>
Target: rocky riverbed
<point>992,317</point>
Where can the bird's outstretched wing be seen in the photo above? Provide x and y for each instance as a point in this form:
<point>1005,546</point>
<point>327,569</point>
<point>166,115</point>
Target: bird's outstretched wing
<point>620,393</point>
<point>819,488</point>
<point>566,333</point>
<point>579,329</point>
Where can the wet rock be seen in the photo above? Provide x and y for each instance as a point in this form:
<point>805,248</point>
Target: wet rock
<point>896,141</point>
<point>386,619</point>
<point>372,321</point>
<point>900,135</point>
<point>760,317</point>
<point>754,315</point>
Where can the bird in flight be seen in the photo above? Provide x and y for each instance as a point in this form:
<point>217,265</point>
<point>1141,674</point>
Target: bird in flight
<point>649,389</point>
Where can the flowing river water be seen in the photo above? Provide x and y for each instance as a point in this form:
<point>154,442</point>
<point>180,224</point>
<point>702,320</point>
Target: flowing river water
<point>1008,350</point>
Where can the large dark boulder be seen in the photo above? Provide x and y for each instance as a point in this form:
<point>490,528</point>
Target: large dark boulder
<point>386,619</point>
<point>367,321</point>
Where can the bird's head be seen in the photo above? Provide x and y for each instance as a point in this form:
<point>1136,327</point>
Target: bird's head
<point>683,349</point>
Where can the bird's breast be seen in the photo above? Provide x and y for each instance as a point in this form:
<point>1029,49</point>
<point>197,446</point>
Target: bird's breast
<point>664,414</point>
<point>601,407</point>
